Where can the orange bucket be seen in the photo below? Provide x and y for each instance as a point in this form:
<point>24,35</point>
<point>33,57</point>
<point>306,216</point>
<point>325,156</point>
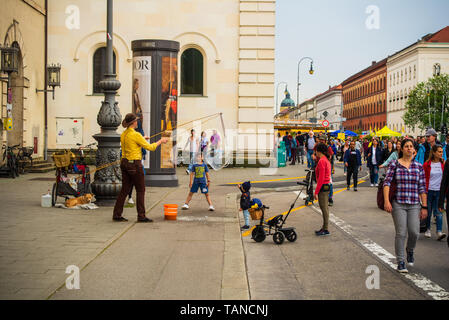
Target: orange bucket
<point>170,211</point>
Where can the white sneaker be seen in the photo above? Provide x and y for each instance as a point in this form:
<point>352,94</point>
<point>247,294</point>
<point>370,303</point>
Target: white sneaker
<point>185,206</point>
<point>428,234</point>
<point>187,171</point>
<point>130,201</point>
<point>211,208</point>
<point>372,185</point>
<point>441,236</point>
<point>377,184</point>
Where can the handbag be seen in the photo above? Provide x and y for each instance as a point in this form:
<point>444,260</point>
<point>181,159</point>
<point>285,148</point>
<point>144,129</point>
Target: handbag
<point>391,194</point>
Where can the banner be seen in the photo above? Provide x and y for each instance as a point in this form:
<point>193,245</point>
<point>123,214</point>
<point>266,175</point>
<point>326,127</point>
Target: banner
<point>169,108</point>
<point>142,95</point>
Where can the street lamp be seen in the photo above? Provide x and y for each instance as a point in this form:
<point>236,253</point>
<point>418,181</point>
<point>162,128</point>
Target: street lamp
<point>53,78</point>
<point>311,71</point>
<point>277,89</point>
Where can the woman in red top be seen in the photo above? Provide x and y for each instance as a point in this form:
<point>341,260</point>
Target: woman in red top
<point>433,170</point>
<point>323,178</point>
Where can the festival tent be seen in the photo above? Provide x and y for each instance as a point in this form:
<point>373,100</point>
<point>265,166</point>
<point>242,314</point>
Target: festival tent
<point>386,132</point>
<point>347,133</point>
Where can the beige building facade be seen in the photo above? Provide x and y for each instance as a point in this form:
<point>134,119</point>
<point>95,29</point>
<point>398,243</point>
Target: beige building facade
<point>22,25</point>
<point>236,42</point>
<point>410,66</point>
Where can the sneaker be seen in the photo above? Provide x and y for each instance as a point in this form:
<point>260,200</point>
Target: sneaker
<point>245,227</point>
<point>347,188</point>
<point>211,208</point>
<point>322,233</point>
<point>185,206</point>
<point>355,189</point>
<point>441,236</point>
<point>410,258</point>
<point>331,203</point>
<point>402,268</point>
<point>130,201</point>
<point>187,171</point>
<point>345,174</point>
<point>428,234</point>
<point>377,184</point>
<point>372,185</point>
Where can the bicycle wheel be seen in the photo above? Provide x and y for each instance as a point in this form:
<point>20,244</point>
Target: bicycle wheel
<point>12,173</point>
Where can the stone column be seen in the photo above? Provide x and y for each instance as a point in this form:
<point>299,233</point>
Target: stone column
<point>108,182</point>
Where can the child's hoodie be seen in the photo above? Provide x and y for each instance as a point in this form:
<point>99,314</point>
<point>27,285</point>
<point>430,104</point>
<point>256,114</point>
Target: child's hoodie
<point>245,198</point>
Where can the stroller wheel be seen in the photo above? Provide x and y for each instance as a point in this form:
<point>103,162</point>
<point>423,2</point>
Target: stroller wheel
<point>278,237</point>
<point>292,236</point>
<point>258,234</point>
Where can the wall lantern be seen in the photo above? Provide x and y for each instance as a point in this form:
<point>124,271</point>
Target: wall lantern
<point>53,78</point>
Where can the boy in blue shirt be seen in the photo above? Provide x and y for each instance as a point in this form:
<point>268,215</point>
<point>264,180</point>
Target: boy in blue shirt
<point>245,202</point>
<point>198,177</point>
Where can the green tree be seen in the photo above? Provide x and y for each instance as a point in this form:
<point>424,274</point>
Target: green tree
<point>417,106</point>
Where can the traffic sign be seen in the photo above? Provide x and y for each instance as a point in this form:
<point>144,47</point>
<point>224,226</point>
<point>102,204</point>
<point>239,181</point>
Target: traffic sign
<point>325,123</point>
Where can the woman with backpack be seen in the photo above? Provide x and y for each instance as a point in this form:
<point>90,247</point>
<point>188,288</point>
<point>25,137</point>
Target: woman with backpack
<point>433,168</point>
<point>407,209</point>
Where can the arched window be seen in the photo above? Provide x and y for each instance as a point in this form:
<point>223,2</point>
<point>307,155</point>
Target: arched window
<point>436,69</point>
<point>192,72</point>
<point>99,66</point>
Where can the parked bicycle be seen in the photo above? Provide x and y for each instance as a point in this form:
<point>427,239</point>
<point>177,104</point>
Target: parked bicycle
<point>24,152</point>
<point>10,159</point>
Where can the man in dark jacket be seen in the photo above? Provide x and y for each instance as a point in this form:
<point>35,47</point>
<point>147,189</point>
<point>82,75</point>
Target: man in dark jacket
<point>374,160</point>
<point>431,140</point>
<point>353,161</point>
<point>287,146</point>
<point>300,139</point>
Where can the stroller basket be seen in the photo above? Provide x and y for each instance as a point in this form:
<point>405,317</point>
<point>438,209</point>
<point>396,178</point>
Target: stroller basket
<point>256,214</point>
<point>62,160</point>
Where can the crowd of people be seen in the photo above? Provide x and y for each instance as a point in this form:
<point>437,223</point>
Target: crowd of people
<point>415,170</point>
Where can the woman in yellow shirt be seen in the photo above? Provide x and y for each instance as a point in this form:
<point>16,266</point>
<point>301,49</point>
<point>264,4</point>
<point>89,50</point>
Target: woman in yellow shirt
<point>131,165</point>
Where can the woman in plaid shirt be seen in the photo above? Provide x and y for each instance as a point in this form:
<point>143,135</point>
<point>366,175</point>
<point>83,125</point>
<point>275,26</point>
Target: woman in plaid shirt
<point>406,208</point>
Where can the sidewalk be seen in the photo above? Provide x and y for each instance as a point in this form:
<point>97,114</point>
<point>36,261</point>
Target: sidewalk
<point>37,244</point>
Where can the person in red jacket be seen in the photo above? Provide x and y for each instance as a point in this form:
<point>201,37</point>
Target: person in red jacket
<point>323,178</point>
<point>433,170</point>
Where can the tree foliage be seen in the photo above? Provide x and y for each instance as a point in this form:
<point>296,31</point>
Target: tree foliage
<point>421,100</point>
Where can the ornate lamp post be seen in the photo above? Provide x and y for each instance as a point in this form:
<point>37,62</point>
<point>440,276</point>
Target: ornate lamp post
<point>277,89</point>
<point>108,181</point>
<point>311,71</point>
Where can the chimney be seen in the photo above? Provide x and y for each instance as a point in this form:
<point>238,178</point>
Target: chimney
<point>373,63</point>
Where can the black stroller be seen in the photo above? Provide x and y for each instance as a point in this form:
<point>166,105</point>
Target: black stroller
<point>275,226</point>
<point>308,186</point>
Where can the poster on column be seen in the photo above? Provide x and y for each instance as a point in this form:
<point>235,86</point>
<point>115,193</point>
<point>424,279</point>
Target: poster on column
<point>169,109</point>
<point>142,97</point>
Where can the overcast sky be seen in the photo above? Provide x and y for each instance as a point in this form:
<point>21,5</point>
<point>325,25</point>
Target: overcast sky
<point>335,35</point>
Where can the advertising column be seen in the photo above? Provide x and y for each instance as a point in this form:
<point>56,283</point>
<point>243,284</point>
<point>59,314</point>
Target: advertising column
<point>155,100</point>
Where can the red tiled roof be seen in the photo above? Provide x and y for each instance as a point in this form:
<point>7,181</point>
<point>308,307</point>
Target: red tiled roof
<point>439,36</point>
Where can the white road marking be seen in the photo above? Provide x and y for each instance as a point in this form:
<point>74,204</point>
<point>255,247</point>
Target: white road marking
<point>428,286</point>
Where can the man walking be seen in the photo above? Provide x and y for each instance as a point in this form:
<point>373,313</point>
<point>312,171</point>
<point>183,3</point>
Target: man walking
<point>310,145</point>
<point>300,139</point>
<point>131,143</point>
<point>353,161</point>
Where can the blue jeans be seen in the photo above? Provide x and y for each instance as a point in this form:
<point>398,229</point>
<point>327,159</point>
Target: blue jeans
<point>192,161</point>
<point>246,216</point>
<point>289,153</point>
<point>310,162</point>
<point>331,191</point>
<point>374,174</point>
<point>432,208</point>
